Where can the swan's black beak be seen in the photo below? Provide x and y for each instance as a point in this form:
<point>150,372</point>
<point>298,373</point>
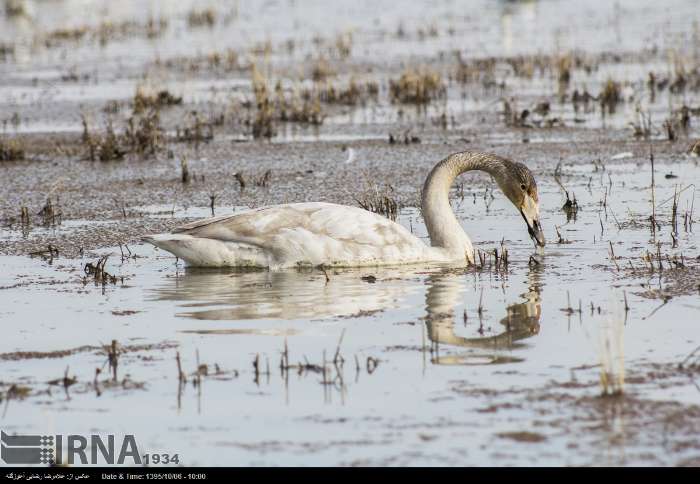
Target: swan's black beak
<point>530,213</point>
<point>535,231</point>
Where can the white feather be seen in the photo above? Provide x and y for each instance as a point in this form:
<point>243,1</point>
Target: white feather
<point>297,234</point>
<point>312,234</point>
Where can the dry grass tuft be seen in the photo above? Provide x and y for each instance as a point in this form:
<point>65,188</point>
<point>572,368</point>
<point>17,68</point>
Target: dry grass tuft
<point>295,106</point>
<point>7,51</point>
<point>263,124</point>
<point>298,107</point>
<point>610,96</point>
<point>380,200</point>
<point>11,149</point>
<point>322,70</point>
<point>228,59</point>
<point>417,87</point>
<point>353,94</point>
<point>103,33</point>
<point>151,29</point>
<point>343,45</point>
<point>477,70</point>
<point>564,65</point>
<point>677,122</point>
<point>15,8</point>
<point>145,100</point>
<point>201,18</point>
<point>106,147</point>
<point>195,130</point>
<point>144,134</point>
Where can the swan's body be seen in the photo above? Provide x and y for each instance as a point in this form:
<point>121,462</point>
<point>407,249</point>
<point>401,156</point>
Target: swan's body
<point>297,234</point>
<point>313,234</point>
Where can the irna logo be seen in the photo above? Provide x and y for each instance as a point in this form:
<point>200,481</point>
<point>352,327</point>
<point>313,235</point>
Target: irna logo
<point>69,449</point>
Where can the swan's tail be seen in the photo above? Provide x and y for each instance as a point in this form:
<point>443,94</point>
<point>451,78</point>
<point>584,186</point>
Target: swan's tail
<point>173,243</point>
<point>203,252</point>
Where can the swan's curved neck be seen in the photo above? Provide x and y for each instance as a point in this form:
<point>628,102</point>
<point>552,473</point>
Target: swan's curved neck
<point>443,227</point>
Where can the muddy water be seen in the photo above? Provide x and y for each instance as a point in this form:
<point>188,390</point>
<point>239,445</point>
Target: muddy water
<point>442,365</point>
<point>435,365</point>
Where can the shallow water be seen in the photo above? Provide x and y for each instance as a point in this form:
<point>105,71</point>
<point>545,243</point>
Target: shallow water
<point>42,78</point>
<point>465,359</point>
<point>436,365</point>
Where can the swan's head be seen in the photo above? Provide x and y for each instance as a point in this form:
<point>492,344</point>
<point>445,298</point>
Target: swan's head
<point>520,187</point>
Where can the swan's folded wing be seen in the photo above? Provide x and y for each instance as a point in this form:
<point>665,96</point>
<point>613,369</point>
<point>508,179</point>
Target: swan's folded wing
<point>257,227</point>
<point>184,229</point>
<point>356,225</point>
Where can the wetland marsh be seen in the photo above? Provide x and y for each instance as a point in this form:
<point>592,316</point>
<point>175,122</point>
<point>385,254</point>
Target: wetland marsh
<point>132,118</point>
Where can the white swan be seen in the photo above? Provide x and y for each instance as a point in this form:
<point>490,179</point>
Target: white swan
<point>313,234</point>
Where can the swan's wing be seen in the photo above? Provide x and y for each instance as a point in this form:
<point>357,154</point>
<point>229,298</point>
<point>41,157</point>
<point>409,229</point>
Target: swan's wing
<point>256,227</point>
<point>339,235</point>
<point>183,229</point>
<point>359,226</point>
<point>314,232</point>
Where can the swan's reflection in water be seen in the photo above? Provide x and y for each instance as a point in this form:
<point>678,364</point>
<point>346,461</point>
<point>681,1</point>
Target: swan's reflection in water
<point>522,321</point>
<point>306,295</point>
<point>235,296</point>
